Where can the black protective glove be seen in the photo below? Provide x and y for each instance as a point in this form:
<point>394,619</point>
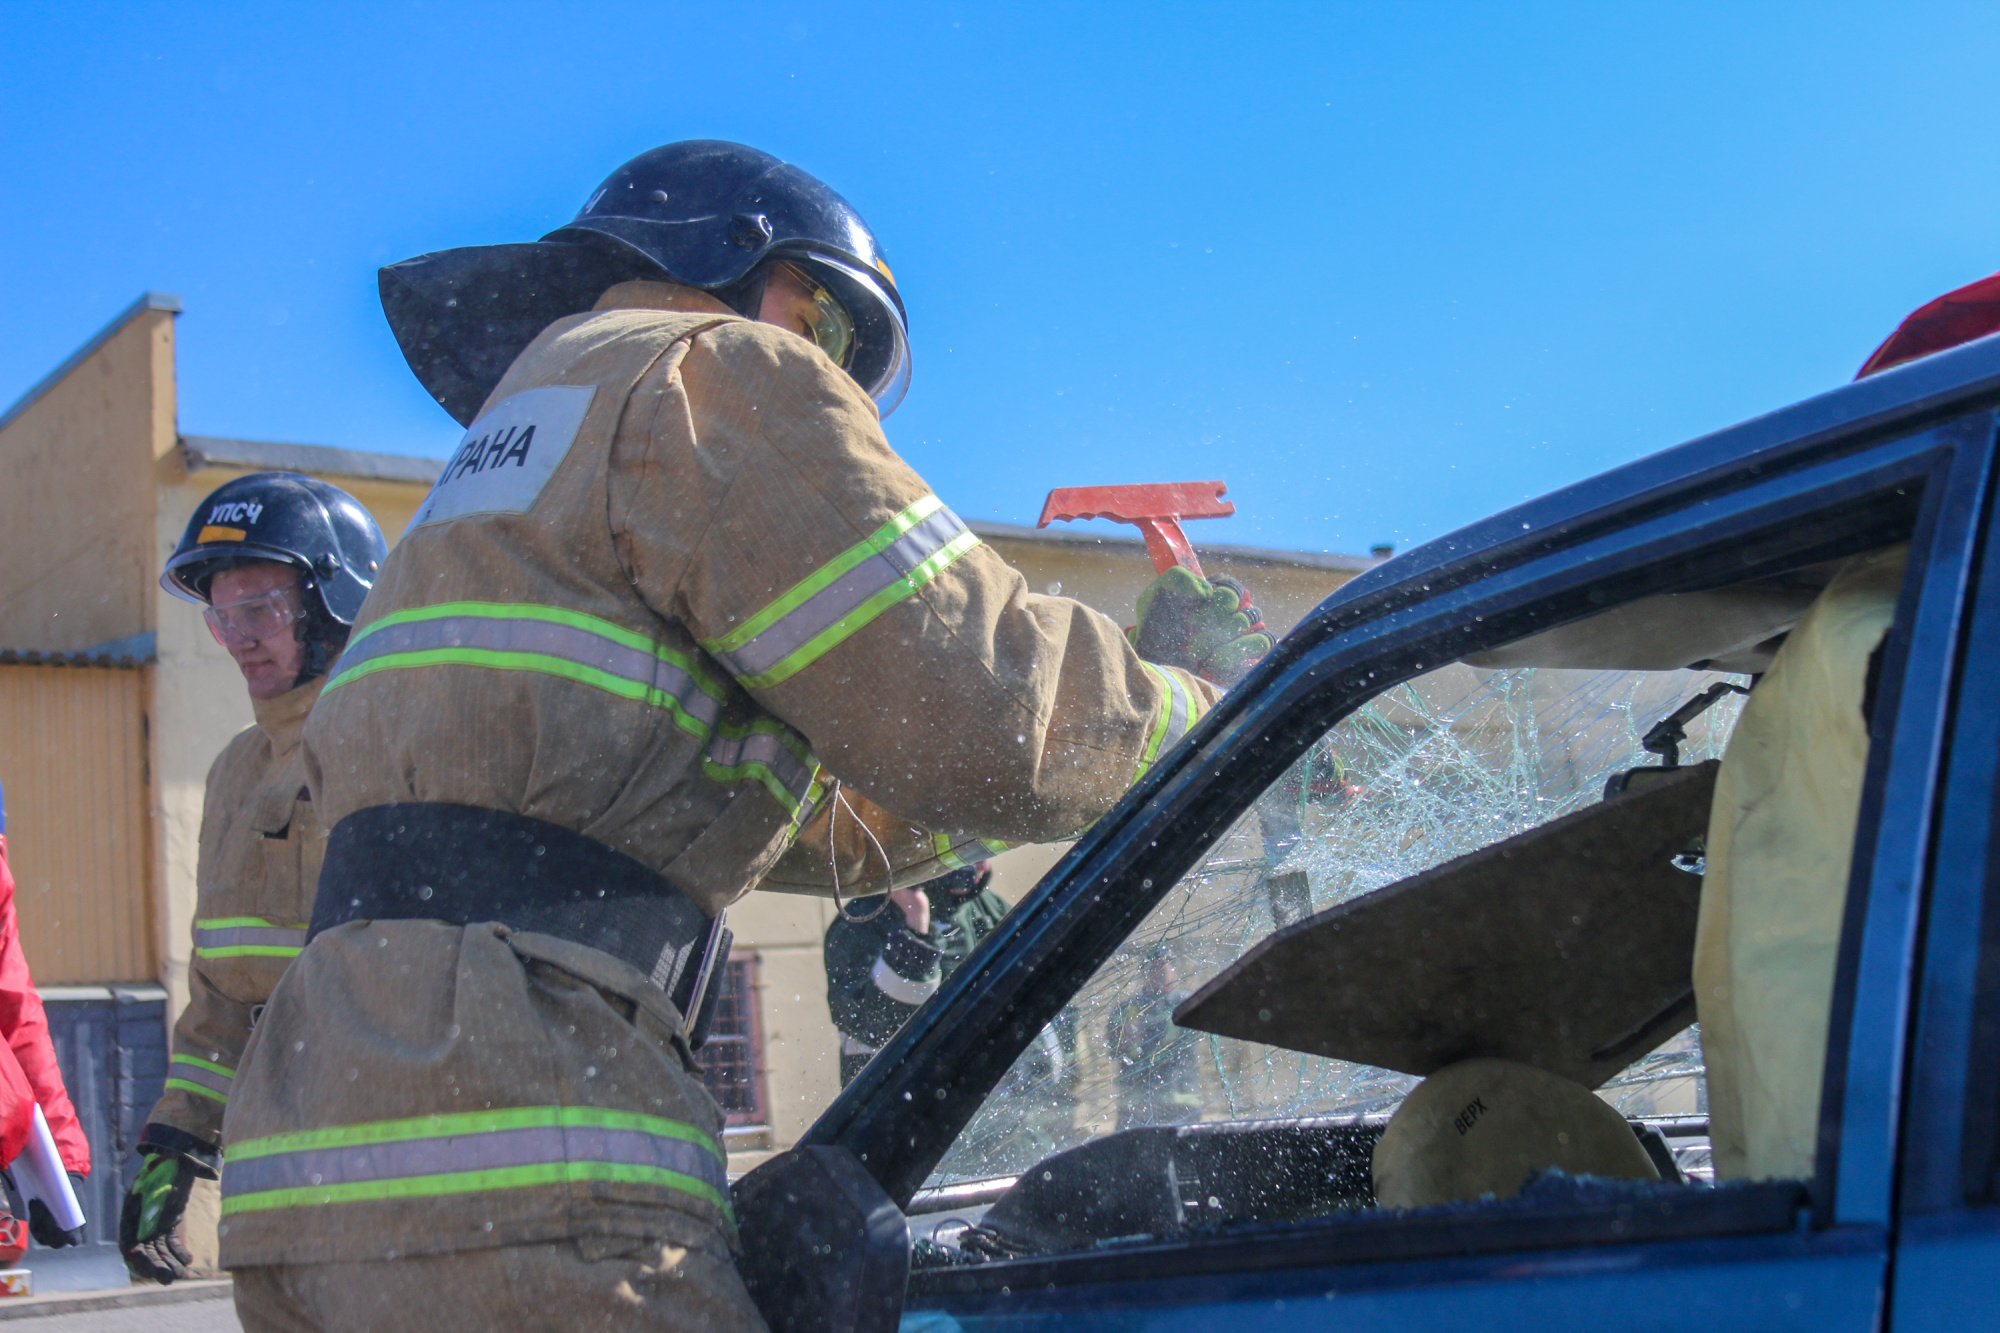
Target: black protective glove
<point>1201,625</point>
<point>150,1220</point>
<point>42,1223</point>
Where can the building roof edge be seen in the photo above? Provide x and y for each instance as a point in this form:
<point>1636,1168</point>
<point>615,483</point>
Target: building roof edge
<point>1353,564</point>
<point>166,301</point>
<point>262,455</point>
<point>34,657</point>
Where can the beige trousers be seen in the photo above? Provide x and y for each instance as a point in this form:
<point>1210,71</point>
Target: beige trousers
<point>520,1288</point>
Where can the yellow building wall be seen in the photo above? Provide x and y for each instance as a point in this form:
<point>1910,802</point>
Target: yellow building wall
<point>1109,576</point>
<point>73,768</point>
<point>76,512</point>
<point>799,1059</point>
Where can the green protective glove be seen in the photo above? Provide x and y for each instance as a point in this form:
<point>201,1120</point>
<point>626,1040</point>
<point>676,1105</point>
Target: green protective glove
<point>150,1220</point>
<point>1201,625</point>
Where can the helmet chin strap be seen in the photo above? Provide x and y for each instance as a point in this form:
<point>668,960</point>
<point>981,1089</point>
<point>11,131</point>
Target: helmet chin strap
<point>746,295</point>
<point>322,635</point>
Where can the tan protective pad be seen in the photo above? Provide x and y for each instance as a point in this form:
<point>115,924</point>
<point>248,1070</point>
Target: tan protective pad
<point>1482,1127</point>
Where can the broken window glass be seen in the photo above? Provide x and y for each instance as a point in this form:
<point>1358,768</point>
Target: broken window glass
<point>1449,763</point>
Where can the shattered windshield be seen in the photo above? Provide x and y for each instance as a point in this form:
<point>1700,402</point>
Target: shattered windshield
<point>1451,762</point>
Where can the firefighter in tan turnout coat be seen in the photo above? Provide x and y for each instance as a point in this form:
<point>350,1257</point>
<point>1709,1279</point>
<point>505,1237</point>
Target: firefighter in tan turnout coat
<point>671,597</point>
<point>279,562</point>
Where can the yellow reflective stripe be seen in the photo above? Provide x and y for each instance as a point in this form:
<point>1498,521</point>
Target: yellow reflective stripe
<point>547,639</point>
<point>769,753</point>
<point>554,615</point>
<point>1181,705</point>
<point>1151,749</point>
<point>854,621</point>
<point>433,1156</point>
<point>204,1078</point>
<point>473,1182</point>
<point>248,937</point>
<point>570,645</point>
<point>843,596</point>
<point>541,663</point>
<point>953,855</point>
<point>803,591</point>
<point>196,1088</point>
<point>468,1122</point>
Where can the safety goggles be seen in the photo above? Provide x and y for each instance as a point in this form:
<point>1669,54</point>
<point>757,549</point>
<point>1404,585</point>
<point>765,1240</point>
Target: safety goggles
<point>831,326</point>
<point>254,619</point>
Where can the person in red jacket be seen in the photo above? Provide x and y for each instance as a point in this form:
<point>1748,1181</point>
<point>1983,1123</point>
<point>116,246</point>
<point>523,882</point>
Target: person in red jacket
<point>29,1076</point>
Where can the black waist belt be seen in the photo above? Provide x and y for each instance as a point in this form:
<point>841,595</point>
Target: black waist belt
<point>460,863</point>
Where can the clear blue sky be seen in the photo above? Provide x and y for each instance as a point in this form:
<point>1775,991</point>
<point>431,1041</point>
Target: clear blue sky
<point>1383,267</point>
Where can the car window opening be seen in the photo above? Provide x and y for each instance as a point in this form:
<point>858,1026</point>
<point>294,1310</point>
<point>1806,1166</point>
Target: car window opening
<point>1449,960</point>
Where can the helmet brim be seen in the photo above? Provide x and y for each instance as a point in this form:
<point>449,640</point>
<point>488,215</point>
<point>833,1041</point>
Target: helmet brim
<point>462,316</point>
<point>187,574</point>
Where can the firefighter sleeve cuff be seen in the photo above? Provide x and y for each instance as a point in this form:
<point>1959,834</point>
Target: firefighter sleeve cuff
<point>161,1138</point>
<point>908,970</point>
<point>199,1118</point>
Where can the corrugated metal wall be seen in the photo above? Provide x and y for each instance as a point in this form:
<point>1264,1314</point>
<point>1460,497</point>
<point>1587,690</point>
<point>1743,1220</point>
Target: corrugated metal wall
<point>112,1046</point>
<point>73,767</point>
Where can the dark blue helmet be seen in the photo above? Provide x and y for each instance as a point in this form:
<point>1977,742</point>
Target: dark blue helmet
<point>703,213</point>
<point>318,529</point>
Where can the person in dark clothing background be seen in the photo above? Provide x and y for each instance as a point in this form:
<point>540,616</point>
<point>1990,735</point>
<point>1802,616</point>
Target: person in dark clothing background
<point>888,953</point>
<point>1158,1074</point>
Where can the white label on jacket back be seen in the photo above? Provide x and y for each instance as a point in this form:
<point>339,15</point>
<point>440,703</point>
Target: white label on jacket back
<point>509,454</point>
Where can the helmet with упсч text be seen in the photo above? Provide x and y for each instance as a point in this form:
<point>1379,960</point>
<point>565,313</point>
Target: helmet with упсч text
<point>703,213</point>
<point>292,519</point>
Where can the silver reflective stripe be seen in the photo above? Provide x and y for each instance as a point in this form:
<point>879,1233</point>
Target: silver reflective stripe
<point>492,1150</point>
<point>898,987</point>
<point>765,750</point>
<point>1179,712</point>
<point>204,1075</point>
<point>576,646</point>
<point>508,634</point>
<point>965,855</point>
<point>238,937</point>
<point>898,562</point>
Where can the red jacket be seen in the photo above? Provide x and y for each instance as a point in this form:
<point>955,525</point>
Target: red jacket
<point>28,1072</point>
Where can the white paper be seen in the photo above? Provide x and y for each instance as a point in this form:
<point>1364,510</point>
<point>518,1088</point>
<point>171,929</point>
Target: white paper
<point>39,1172</point>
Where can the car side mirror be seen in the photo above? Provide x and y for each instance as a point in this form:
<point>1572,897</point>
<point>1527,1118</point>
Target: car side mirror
<point>824,1246</point>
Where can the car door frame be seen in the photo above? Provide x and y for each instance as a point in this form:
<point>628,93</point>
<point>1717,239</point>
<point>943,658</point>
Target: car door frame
<point>1947,1207</point>
<point>1815,481</point>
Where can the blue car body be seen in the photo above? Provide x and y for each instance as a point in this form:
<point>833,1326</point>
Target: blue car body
<point>1901,1224</point>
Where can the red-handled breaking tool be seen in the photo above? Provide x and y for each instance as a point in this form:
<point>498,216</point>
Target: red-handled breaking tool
<point>1156,508</point>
